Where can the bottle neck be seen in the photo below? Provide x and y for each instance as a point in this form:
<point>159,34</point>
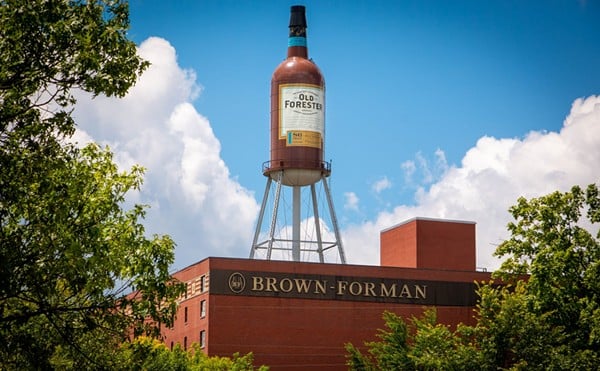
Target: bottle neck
<point>297,43</point>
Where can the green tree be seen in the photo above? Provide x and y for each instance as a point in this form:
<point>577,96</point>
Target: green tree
<point>150,354</point>
<point>545,316</point>
<point>552,319</point>
<point>419,343</point>
<point>69,252</point>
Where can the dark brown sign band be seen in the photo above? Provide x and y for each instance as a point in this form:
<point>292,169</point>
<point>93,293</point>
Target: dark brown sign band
<point>305,286</point>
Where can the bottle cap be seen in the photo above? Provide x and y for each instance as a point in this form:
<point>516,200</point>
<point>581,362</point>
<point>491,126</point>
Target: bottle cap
<point>297,16</point>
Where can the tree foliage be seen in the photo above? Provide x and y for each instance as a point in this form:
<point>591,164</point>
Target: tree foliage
<point>555,240</point>
<point>416,344</point>
<point>545,317</point>
<point>150,354</point>
<point>69,251</point>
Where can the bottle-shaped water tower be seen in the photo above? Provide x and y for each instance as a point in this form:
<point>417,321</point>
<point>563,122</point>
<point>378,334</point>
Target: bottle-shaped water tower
<point>297,147</point>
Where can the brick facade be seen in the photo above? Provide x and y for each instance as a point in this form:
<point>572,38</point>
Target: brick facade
<point>299,315</point>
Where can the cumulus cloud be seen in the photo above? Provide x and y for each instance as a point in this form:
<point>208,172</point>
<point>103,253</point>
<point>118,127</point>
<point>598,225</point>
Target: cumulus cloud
<point>423,165</point>
<point>441,165</point>
<point>409,168</point>
<point>351,201</point>
<point>192,195</point>
<point>381,185</point>
<point>420,166</point>
<point>492,175</point>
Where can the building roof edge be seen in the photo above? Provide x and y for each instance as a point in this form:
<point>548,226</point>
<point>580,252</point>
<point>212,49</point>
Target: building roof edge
<point>417,218</point>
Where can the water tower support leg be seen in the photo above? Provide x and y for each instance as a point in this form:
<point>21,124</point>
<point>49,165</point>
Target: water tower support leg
<point>334,221</point>
<point>274,217</point>
<point>261,215</point>
<point>296,224</point>
<point>317,223</point>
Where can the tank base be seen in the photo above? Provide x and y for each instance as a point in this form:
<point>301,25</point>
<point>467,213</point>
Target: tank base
<point>296,177</point>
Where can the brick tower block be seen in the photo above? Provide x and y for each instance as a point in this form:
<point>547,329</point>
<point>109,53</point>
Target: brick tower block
<point>429,244</point>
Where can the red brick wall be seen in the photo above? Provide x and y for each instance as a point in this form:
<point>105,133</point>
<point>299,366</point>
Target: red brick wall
<point>429,244</point>
<point>398,246</point>
<point>297,333</point>
<point>290,333</point>
<point>187,330</point>
<point>446,245</point>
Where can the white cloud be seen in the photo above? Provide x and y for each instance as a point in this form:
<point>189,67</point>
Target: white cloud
<point>381,185</point>
<point>424,167</point>
<point>441,165</point>
<point>351,201</point>
<point>192,196</point>
<point>493,174</point>
<point>426,172</point>
<point>409,169</point>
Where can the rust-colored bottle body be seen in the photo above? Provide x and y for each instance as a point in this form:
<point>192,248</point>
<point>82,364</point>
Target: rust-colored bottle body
<point>297,113</point>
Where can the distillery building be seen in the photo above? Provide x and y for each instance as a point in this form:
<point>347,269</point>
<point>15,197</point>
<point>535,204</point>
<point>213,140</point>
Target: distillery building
<point>298,315</point>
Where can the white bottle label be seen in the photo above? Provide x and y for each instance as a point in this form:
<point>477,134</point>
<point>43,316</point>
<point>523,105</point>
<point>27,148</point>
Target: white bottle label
<point>301,115</point>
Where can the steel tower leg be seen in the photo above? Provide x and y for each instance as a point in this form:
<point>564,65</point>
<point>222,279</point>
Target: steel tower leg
<point>296,215</point>
<point>261,214</point>
<point>317,223</point>
<point>274,217</point>
<point>334,222</point>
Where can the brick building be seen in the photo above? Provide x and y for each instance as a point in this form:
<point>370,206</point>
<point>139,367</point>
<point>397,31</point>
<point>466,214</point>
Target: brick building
<point>295,315</point>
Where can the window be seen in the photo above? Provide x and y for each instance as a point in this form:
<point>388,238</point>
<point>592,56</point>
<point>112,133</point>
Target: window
<point>202,283</point>
<point>202,338</point>
<point>185,343</point>
<point>185,314</point>
<point>203,308</point>
<point>171,345</point>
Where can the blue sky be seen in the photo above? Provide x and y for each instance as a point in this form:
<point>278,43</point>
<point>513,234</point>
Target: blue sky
<point>448,109</point>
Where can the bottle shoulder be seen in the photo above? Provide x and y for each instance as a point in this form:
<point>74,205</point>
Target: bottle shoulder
<point>298,68</point>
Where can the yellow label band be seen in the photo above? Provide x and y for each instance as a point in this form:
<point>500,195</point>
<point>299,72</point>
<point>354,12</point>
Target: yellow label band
<point>303,138</point>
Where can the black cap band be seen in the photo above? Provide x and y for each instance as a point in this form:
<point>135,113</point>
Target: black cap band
<point>298,21</point>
